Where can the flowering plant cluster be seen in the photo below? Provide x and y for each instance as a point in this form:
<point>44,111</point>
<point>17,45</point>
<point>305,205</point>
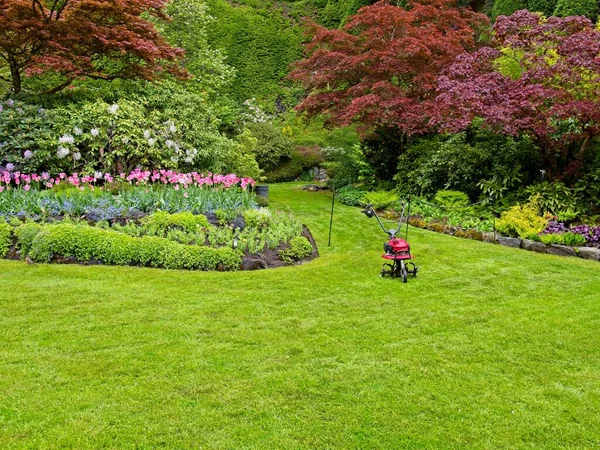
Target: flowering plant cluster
<point>10,179</point>
<point>591,234</point>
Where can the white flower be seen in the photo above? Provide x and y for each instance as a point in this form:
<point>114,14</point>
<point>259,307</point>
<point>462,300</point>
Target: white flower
<point>66,139</point>
<point>172,128</point>
<point>98,175</point>
<point>125,140</point>
<point>147,134</point>
<point>76,156</point>
<point>189,159</point>
<point>77,131</point>
<point>62,152</point>
<point>174,159</point>
<point>169,143</point>
<point>112,109</point>
<point>151,142</point>
<point>95,132</point>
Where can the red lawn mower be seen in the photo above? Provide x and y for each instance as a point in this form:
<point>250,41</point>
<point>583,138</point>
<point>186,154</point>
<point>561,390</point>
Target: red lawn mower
<point>397,250</point>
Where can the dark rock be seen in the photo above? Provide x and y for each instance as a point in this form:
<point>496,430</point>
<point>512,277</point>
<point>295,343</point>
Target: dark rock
<point>220,267</point>
<point>94,262</point>
<point>136,215</point>
<point>509,242</point>
<point>13,254</point>
<point>450,230</point>
<point>252,262</point>
<point>212,218</point>
<point>314,188</point>
<point>58,259</point>
<point>239,223</point>
<point>307,234</point>
<point>533,246</point>
<point>590,253</point>
<point>560,250</point>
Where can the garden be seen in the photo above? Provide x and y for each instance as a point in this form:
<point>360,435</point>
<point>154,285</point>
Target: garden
<point>156,155</point>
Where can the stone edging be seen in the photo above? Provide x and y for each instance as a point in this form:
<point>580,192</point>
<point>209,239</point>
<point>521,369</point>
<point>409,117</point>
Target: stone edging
<point>589,253</point>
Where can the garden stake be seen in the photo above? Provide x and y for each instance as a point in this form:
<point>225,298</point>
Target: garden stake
<point>331,218</point>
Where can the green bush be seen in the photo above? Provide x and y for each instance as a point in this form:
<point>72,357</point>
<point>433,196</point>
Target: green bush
<point>272,147</point>
<point>347,166</point>
<point>452,199</point>
<point>507,7</point>
<point>555,198</point>
<point>299,248</point>
<point>5,238</point>
<point>25,234</point>
<point>568,238</point>
<point>350,195</point>
<point>85,243</point>
<point>257,218</point>
<point>544,6</point>
<point>160,222</point>
<point>565,8</point>
<point>380,200</point>
<point>521,221</point>
<point>302,159</point>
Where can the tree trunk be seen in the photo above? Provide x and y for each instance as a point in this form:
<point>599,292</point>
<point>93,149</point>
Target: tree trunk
<point>15,74</point>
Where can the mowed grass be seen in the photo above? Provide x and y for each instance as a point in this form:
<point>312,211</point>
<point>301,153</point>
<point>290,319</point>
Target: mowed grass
<point>489,348</point>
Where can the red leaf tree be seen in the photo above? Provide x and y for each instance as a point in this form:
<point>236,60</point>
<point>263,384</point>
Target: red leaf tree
<point>381,68</point>
<point>541,78</point>
<point>103,39</point>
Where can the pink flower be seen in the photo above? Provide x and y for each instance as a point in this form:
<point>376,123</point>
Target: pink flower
<point>26,187</point>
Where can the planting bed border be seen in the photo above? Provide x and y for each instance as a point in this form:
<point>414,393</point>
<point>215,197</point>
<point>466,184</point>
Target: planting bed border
<point>589,253</point>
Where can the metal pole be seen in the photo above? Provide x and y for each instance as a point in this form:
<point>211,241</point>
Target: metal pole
<point>331,218</point>
<point>407,219</point>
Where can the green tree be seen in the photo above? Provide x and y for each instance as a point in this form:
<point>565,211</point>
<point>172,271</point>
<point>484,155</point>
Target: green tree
<point>544,6</point>
<point>507,7</point>
<point>565,8</point>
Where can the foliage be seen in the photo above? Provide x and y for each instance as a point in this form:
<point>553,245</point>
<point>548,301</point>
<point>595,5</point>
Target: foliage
<point>87,38</point>
<point>521,221</point>
<point>350,195</point>
<point>587,8</point>
<point>164,190</point>
<point>380,200</point>
<point>476,162</point>
<point>272,146</point>
<point>162,222</point>
<point>5,238</point>
<point>260,43</point>
<point>300,162</point>
<point>347,166</point>
<point>372,72</point>
<point>507,7</point>
<point>546,7</point>
<point>299,248</point>
<point>86,243</point>
<point>555,198</point>
<point>451,199</point>
<point>554,99</point>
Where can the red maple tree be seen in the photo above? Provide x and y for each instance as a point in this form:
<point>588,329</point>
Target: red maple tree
<point>102,39</point>
<point>381,68</point>
<point>540,78</point>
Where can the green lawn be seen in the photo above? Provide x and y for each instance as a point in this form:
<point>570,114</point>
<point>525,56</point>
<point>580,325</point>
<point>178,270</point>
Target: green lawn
<point>489,347</point>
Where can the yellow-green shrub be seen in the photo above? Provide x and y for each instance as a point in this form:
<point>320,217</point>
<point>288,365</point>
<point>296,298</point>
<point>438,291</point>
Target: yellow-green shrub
<point>521,221</point>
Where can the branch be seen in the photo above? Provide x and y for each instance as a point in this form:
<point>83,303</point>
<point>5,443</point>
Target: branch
<point>59,88</point>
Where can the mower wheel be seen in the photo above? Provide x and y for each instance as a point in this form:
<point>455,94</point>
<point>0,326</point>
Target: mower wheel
<point>403,272</point>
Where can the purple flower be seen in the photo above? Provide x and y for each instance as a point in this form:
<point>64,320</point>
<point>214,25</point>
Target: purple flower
<point>28,154</point>
<point>10,167</point>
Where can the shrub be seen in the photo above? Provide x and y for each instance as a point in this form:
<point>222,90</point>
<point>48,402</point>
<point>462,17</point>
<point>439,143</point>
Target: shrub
<point>521,221</point>
<point>85,243</point>
<point>160,222</point>
<point>299,248</point>
<point>507,7</point>
<point>301,161</point>
<point>554,198</point>
<point>5,238</point>
<point>452,199</point>
<point>350,195</point>
<point>565,8</point>
<point>257,218</point>
<point>347,166</point>
<point>272,146</point>
<point>380,199</point>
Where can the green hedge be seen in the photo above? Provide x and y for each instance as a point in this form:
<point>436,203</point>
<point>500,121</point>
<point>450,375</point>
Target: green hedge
<point>5,239</point>
<point>86,243</point>
<point>587,8</point>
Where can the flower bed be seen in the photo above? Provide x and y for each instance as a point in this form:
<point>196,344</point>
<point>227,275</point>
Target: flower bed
<point>155,219</point>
